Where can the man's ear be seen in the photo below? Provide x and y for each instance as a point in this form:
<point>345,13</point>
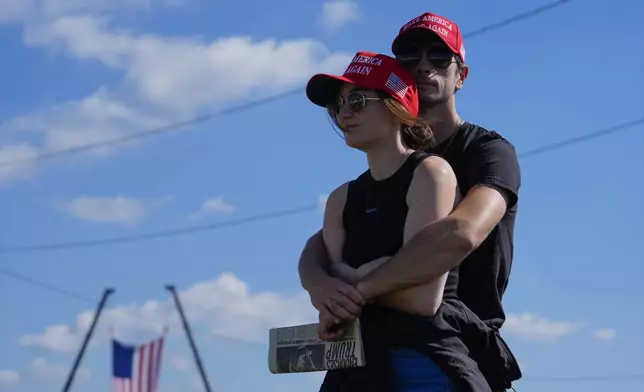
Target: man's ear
<point>462,75</point>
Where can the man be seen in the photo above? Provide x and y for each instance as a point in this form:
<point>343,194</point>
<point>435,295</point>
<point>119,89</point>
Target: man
<point>477,237</point>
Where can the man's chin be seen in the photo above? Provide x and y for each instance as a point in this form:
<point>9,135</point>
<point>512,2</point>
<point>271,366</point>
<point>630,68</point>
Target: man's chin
<point>428,103</point>
<point>429,100</point>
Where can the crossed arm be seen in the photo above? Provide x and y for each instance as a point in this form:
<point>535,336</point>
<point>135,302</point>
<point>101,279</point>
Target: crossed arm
<point>448,241</point>
<point>494,169</point>
<point>432,194</point>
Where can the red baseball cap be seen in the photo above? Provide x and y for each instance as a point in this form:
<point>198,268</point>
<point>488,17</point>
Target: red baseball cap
<point>418,27</point>
<point>371,71</point>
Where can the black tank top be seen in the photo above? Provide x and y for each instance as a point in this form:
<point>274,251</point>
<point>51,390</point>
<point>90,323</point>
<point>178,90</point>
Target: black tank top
<point>374,216</point>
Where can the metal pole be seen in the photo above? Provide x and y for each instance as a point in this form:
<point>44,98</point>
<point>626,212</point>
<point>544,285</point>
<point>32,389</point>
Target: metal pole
<point>186,327</point>
<point>70,378</point>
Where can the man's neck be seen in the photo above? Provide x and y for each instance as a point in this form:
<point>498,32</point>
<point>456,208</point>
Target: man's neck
<point>444,119</point>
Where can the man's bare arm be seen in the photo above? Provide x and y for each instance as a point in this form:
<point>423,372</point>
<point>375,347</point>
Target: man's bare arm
<point>448,241</point>
<point>314,263</point>
<point>335,299</point>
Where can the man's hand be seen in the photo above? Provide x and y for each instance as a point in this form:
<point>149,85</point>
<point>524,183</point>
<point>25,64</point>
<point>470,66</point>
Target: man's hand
<point>336,300</point>
<point>330,326</point>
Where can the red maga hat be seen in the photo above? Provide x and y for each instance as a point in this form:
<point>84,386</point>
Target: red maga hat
<point>442,27</point>
<point>371,71</point>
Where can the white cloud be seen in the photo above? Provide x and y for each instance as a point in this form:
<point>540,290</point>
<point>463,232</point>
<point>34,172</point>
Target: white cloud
<point>53,372</point>
<point>56,338</point>
<point>13,153</point>
<point>224,306</point>
<point>165,79</point>
<point>322,202</point>
<point>97,118</point>
<point>183,72</point>
<point>336,14</point>
<point>124,321</point>
<point>533,327</point>
<point>605,334</point>
<point>120,209</point>
<point>9,378</point>
<point>42,370</point>
<point>22,11</point>
<point>215,205</point>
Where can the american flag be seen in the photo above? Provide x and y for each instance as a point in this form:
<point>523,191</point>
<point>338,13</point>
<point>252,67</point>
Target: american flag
<point>396,85</point>
<point>136,368</point>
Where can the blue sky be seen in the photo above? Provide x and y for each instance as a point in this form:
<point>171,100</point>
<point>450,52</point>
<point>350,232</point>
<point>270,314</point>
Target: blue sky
<point>81,71</point>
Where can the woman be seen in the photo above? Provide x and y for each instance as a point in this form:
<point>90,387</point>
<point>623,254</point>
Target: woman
<point>375,104</point>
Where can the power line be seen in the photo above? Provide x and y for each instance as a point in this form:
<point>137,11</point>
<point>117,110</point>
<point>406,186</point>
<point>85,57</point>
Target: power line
<point>280,213</point>
<point>150,132</point>
<point>47,286</point>
<point>250,105</point>
<point>160,234</point>
<point>583,138</point>
<point>516,18</point>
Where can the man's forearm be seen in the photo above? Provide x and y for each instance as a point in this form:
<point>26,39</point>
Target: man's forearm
<point>433,251</point>
<point>314,262</point>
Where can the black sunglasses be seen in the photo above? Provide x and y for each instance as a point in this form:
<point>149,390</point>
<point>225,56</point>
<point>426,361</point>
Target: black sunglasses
<point>355,101</point>
<point>439,60</point>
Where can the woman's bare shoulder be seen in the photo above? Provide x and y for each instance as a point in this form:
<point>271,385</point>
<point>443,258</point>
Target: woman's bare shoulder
<point>433,171</point>
<point>338,196</point>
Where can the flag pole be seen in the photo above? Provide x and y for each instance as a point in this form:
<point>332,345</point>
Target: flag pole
<point>70,378</point>
<point>193,346</point>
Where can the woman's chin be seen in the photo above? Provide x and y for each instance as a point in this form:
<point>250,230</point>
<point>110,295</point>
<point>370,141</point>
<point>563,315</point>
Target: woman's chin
<point>354,142</point>
<point>357,146</point>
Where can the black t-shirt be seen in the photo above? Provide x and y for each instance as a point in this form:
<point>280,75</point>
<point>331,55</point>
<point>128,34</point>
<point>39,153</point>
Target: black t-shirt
<point>482,157</point>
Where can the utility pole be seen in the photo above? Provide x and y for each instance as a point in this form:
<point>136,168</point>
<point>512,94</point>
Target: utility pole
<point>70,378</point>
<point>193,346</point>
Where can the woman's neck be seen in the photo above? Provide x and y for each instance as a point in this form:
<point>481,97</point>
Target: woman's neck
<point>386,158</point>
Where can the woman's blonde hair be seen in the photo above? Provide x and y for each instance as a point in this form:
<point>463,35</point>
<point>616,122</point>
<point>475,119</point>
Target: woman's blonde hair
<point>416,132</point>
